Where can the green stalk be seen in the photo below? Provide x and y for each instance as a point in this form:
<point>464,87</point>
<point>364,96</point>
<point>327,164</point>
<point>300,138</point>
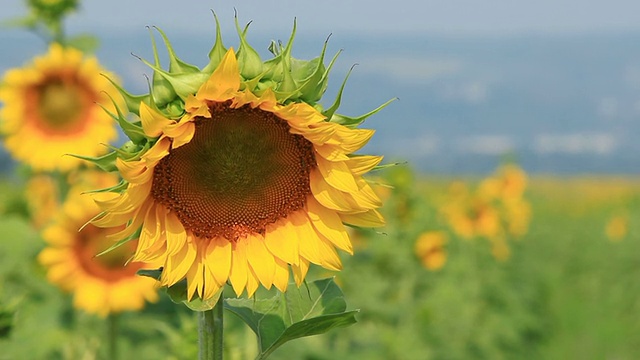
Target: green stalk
<point>210,332</point>
<point>112,336</point>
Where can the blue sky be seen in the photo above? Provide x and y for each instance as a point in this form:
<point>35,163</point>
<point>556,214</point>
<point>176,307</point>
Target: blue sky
<point>492,17</point>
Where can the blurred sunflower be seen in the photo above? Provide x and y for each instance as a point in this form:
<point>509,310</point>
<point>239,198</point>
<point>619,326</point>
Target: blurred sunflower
<point>617,227</point>
<point>430,249</point>
<point>43,199</point>
<point>473,217</point>
<point>243,175</point>
<point>509,183</point>
<point>50,110</point>
<point>100,284</point>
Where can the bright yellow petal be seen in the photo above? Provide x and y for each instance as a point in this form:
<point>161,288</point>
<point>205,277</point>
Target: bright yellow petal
<point>300,271</point>
<point>282,241</point>
<point>362,164</point>
<point>261,260</point>
<point>238,274</point>
<point>281,276</point>
<point>178,264</point>
<point>328,196</point>
<point>152,121</point>
<point>307,236</point>
<point>223,81</point>
<point>337,174</point>
<point>176,233</point>
<point>218,259</point>
<point>328,223</point>
<point>368,219</point>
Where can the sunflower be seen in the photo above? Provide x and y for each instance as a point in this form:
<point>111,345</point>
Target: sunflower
<point>617,227</point>
<point>100,284</point>
<point>241,176</point>
<point>50,110</point>
<point>430,249</point>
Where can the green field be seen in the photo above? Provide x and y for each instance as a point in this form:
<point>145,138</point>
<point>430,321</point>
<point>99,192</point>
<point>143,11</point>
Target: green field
<point>567,290</point>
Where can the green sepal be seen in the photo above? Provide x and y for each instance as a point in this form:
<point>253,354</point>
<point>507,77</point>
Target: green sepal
<point>248,58</point>
<point>175,64</point>
<point>105,162</point>
<point>120,187</point>
<point>312,309</point>
<point>132,131</point>
<point>178,292</point>
<point>133,236</point>
<point>355,121</point>
<point>386,166</point>
<point>132,101</point>
<point>182,84</point>
<point>313,76</point>
<point>163,92</point>
<point>328,113</point>
<point>131,151</point>
<point>217,51</point>
<point>154,274</point>
<point>287,87</point>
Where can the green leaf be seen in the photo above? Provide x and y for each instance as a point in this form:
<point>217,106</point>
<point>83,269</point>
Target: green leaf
<point>309,310</point>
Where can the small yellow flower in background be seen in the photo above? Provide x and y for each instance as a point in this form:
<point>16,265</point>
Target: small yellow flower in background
<point>102,284</point>
<point>617,227</point>
<point>50,110</point>
<point>509,182</point>
<point>473,217</point>
<point>236,174</point>
<point>43,199</point>
<point>495,210</point>
<point>430,249</point>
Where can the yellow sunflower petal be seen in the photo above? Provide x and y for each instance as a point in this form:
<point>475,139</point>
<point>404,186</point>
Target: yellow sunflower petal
<point>152,121</point>
<point>282,241</point>
<point>362,164</point>
<point>179,264</point>
<point>239,266</point>
<point>371,218</point>
<point>175,232</point>
<point>224,80</point>
<point>327,195</point>
<point>252,282</point>
<point>337,174</point>
<point>281,276</point>
<point>307,237</point>
<point>218,259</point>
<point>328,223</point>
<point>261,260</point>
<point>300,271</point>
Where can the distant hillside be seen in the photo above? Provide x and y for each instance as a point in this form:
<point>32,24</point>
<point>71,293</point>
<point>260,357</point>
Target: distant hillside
<point>558,104</point>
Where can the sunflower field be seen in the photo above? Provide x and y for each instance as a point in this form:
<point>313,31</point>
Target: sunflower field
<point>239,214</point>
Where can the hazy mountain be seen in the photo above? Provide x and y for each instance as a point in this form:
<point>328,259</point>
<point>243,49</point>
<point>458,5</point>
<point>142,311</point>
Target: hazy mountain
<point>566,104</point>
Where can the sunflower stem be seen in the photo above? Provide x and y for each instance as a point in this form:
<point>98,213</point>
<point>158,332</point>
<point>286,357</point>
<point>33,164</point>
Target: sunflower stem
<point>210,332</point>
<point>112,324</point>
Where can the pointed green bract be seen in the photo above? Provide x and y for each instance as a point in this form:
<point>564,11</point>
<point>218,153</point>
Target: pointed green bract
<point>290,80</point>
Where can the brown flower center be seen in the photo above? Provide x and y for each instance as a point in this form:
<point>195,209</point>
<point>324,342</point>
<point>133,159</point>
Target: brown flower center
<point>242,170</point>
<point>60,104</point>
<point>90,241</point>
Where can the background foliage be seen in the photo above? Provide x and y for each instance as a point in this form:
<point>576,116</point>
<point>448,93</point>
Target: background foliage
<point>567,290</point>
